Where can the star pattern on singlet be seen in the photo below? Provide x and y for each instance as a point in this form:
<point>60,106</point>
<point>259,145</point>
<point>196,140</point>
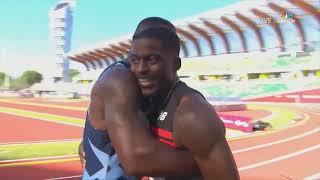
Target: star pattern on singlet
<point>111,166</point>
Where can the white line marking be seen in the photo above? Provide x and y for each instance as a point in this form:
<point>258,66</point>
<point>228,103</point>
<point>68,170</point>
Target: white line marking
<point>269,117</point>
<point>277,142</point>
<point>317,113</point>
<point>42,119</point>
<point>65,177</point>
<point>292,96</point>
<point>311,96</point>
<point>2,152</point>
<point>39,142</point>
<point>56,106</point>
<point>38,159</point>
<point>313,177</point>
<point>280,158</point>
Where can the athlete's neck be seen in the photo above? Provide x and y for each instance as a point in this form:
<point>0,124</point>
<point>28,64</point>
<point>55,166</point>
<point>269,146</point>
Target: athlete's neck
<point>162,96</point>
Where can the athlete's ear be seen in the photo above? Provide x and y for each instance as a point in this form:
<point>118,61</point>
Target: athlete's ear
<point>178,63</point>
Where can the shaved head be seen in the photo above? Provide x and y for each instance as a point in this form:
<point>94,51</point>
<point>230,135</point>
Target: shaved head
<point>154,22</point>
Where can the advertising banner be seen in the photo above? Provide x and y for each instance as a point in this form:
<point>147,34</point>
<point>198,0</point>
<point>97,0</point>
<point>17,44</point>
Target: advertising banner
<point>237,122</point>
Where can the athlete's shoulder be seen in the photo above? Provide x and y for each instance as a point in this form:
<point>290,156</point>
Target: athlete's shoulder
<point>117,86</point>
<point>117,75</point>
<point>191,99</point>
<point>117,83</point>
<point>195,120</point>
<point>118,64</point>
<point>193,108</point>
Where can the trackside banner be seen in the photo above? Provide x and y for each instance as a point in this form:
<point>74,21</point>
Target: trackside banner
<point>237,122</point>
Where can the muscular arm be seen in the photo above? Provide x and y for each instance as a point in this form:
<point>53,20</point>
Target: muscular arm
<point>119,97</point>
<point>197,126</point>
<point>81,154</point>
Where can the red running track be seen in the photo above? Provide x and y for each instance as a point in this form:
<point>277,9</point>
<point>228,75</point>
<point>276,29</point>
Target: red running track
<point>285,158</point>
<point>41,172</point>
<point>44,109</point>
<point>252,113</point>
<point>64,103</point>
<point>19,129</point>
<point>309,96</point>
<point>288,157</point>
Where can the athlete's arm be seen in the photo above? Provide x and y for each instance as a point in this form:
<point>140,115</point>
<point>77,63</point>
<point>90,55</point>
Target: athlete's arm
<point>198,127</point>
<point>140,153</point>
<point>82,155</point>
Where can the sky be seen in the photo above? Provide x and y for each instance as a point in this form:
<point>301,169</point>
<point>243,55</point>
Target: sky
<point>24,30</point>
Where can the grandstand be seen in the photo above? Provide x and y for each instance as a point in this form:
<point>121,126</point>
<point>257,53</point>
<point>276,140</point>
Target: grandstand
<point>264,47</point>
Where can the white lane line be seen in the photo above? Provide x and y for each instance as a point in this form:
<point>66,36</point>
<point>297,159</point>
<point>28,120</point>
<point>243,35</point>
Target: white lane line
<point>65,177</point>
<point>280,158</point>
<point>43,119</point>
<point>39,159</point>
<point>317,113</point>
<point>313,177</point>
<point>39,142</point>
<point>277,142</point>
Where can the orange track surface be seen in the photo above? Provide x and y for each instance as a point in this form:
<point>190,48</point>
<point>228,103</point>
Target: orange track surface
<point>44,171</point>
<point>254,114</point>
<point>46,101</point>
<point>18,129</point>
<point>49,110</point>
<point>266,159</point>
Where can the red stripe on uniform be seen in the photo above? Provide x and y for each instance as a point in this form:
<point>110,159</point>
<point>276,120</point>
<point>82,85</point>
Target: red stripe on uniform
<point>163,133</point>
<point>168,142</point>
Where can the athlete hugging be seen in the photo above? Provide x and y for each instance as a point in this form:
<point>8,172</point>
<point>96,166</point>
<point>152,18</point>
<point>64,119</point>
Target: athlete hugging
<point>144,122</point>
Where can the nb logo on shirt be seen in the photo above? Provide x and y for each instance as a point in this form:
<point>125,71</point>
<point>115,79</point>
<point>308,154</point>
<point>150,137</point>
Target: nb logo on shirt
<point>162,116</point>
<point>151,178</point>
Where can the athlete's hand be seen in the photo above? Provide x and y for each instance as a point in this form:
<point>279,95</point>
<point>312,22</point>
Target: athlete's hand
<point>82,155</point>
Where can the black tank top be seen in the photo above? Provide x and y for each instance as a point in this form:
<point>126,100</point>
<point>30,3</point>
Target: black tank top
<point>162,119</point>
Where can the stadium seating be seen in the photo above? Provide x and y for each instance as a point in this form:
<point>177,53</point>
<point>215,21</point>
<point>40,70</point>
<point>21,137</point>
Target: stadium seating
<point>249,89</point>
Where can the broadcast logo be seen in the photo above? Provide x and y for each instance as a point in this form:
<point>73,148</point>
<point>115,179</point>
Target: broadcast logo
<point>288,16</point>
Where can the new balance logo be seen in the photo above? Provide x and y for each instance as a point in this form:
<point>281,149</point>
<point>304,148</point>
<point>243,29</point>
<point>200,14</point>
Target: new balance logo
<point>162,116</point>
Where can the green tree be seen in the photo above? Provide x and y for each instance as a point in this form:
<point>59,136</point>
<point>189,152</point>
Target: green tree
<point>2,76</point>
<point>31,77</point>
<point>27,79</point>
<point>18,84</point>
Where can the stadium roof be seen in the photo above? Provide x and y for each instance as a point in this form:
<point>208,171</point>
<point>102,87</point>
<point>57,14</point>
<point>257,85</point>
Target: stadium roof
<point>235,18</point>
